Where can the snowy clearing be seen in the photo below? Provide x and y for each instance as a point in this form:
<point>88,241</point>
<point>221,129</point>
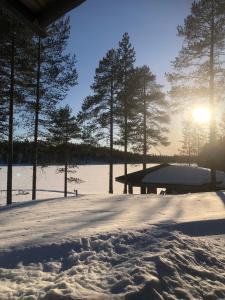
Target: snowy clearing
<point>45,221</point>
<point>114,247</point>
<point>50,184</point>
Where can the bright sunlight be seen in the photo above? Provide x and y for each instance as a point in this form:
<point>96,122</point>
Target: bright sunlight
<point>201,115</point>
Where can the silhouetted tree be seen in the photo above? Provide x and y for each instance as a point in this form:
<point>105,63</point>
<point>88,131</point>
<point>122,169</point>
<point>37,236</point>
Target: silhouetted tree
<point>125,104</point>
<point>98,110</point>
<point>152,113</point>
<point>13,73</point>
<point>53,74</point>
<point>62,129</point>
<point>194,138</point>
<point>200,64</point>
<point>221,129</point>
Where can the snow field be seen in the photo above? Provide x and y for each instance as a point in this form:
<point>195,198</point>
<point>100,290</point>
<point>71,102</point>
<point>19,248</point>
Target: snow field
<point>130,247</point>
<point>48,221</point>
<point>50,183</point>
<point>133,265</point>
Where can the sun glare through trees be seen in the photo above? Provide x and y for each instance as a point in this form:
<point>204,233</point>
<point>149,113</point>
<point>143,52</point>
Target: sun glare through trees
<point>202,115</point>
<point>112,149</point>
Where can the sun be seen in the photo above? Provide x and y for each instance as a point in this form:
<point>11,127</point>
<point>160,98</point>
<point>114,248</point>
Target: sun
<point>201,115</point>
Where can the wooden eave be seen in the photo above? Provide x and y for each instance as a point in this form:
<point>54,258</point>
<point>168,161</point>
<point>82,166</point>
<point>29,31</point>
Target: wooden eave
<point>38,14</point>
<point>135,178</point>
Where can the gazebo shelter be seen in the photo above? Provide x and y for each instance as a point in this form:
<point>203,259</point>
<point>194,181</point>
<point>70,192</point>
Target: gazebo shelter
<point>174,179</point>
<point>38,14</point>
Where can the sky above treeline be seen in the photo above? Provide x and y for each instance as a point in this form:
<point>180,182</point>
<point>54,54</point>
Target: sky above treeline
<point>98,25</point>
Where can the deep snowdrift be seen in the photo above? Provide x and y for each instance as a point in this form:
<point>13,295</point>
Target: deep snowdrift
<point>131,247</point>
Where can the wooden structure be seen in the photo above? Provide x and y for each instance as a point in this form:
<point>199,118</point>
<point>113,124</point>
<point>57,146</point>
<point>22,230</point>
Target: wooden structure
<point>175,179</point>
<point>38,14</point>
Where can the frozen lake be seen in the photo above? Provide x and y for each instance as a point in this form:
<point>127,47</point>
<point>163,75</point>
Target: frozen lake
<point>95,179</point>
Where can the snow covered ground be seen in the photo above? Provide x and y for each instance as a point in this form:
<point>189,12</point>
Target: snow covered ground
<point>114,247</point>
<point>50,184</point>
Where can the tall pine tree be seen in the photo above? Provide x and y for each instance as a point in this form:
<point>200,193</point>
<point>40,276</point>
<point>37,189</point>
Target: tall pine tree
<point>98,109</point>
<point>13,73</point>
<point>152,113</point>
<point>125,104</point>
<point>200,64</point>
<point>53,74</point>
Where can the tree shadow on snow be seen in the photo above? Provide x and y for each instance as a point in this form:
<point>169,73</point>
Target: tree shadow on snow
<point>201,228</point>
<point>28,203</point>
<point>221,195</point>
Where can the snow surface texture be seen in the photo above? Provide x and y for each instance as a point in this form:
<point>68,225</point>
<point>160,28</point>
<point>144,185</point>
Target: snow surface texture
<point>132,265</point>
<point>44,221</point>
<point>180,174</point>
<point>131,247</point>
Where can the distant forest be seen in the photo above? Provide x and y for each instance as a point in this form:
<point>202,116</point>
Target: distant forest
<point>89,154</point>
<point>79,154</point>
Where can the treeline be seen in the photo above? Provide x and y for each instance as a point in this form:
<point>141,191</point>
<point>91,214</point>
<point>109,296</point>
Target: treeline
<point>79,154</point>
<point>127,107</point>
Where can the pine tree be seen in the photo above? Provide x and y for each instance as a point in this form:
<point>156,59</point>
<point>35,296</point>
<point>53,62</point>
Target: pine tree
<point>4,74</point>
<point>62,129</point>
<point>91,130</point>
<point>13,74</point>
<point>186,142</point>
<point>151,112</point>
<point>195,137</point>
<point>53,74</point>
<point>200,64</point>
<point>125,105</point>
<point>222,127</point>
<point>3,119</point>
<point>98,109</point>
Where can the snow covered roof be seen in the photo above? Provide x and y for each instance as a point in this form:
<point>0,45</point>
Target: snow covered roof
<point>175,174</point>
<point>167,174</point>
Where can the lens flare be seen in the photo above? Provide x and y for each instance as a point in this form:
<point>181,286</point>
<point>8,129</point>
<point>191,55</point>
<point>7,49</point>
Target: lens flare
<point>201,115</point>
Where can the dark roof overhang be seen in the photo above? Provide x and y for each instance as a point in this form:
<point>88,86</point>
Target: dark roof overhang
<point>38,14</point>
<point>135,178</point>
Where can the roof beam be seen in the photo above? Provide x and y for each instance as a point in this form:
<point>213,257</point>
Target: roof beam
<point>40,20</point>
<point>56,9</point>
<point>22,13</point>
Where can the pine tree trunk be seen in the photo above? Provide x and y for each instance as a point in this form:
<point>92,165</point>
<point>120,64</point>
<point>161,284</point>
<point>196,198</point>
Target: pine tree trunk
<point>143,188</point>
<point>37,107</point>
<point>11,111</point>
<point>212,96</point>
<point>111,142</point>
<point>125,133</point>
<point>125,150</point>
<point>198,147</point>
<point>145,130</point>
<point>66,170</point>
<point>189,150</point>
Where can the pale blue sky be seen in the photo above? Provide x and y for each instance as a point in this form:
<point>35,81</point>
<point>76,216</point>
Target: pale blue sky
<point>98,25</point>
